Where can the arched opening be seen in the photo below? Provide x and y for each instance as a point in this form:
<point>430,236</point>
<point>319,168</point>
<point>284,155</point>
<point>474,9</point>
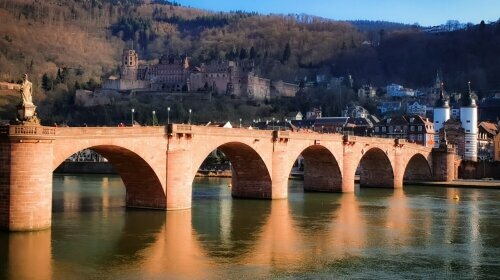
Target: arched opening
<point>142,185</point>
<point>417,169</point>
<point>375,170</point>
<point>321,170</point>
<point>250,177</point>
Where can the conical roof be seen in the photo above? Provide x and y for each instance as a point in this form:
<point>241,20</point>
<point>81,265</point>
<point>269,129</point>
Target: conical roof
<point>467,100</point>
<point>442,102</point>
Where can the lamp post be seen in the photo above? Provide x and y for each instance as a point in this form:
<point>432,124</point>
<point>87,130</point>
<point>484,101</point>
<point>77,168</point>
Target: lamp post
<point>154,118</point>
<point>190,116</point>
<point>133,111</point>
<point>273,124</point>
<point>168,115</point>
<point>240,122</point>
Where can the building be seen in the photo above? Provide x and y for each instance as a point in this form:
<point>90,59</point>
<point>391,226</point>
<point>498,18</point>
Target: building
<point>414,128</point>
<point>468,118</point>
<point>295,116</point>
<point>496,147</point>
<point>366,92</point>
<point>314,113</point>
<point>356,112</point>
<point>174,74</point>
<point>420,130</point>
<point>416,109</point>
<point>454,134</point>
<point>441,115</point>
<point>389,106</point>
<point>395,90</point>
<point>485,137</point>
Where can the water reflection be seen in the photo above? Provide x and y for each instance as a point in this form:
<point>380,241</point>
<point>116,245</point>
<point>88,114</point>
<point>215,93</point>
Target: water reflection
<point>370,234</point>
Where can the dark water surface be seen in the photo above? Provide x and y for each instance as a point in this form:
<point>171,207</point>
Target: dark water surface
<point>415,233</point>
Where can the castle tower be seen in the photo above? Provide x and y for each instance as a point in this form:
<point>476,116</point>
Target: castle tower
<point>468,118</point>
<point>441,114</point>
<point>130,65</point>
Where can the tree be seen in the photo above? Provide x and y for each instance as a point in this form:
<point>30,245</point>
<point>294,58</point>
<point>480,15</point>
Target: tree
<point>287,52</point>
<point>46,82</point>
<point>253,53</point>
<point>243,54</point>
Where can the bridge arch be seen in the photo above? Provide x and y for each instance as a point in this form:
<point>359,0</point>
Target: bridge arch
<point>251,177</point>
<point>322,172</point>
<point>417,169</point>
<point>375,169</point>
<point>143,185</point>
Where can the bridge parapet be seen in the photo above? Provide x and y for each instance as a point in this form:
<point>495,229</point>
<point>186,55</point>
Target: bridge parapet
<point>27,131</point>
<point>108,131</point>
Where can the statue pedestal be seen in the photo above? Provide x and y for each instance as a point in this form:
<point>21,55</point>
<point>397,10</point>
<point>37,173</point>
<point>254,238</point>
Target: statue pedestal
<point>26,115</point>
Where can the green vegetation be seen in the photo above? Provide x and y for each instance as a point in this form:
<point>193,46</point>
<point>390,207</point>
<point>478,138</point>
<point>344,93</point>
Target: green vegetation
<point>67,45</point>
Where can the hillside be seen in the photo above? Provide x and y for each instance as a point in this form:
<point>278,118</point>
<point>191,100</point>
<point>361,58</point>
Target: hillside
<point>65,45</point>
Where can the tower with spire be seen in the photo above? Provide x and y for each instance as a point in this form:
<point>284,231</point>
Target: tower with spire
<point>468,118</point>
<point>441,114</point>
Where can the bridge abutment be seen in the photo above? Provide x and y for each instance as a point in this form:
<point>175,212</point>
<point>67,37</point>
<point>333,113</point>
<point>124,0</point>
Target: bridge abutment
<point>26,177</point>
<point>443,163</point>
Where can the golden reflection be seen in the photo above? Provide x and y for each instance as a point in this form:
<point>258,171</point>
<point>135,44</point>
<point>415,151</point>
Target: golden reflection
<point>176,251</point>
<point>30,255</point>
<point>398,217</point>
<point>348,230</point>
<point>279,245</point>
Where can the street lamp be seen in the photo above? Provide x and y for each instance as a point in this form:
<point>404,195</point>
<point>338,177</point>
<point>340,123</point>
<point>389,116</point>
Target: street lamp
<point>168,115</point>
<point>273,123</point>
<point>133,111</point>
<point>154,118</point>
<point>190,116</point>
<point>240,122</point>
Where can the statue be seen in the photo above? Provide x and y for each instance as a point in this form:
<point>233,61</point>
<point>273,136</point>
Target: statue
<point>26,91</point>
<point>26,114</point>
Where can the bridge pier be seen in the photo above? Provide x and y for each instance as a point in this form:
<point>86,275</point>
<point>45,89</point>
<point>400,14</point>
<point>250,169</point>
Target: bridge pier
<point>280,174</point>
<point>25,178</point>
<point>443,163</point>
<point>179,179</point>
<point>348,169</point>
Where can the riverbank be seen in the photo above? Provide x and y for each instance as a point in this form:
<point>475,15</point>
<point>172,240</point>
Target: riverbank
<point>461,183</point>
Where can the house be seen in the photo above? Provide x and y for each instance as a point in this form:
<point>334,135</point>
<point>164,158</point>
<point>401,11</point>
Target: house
<point>389,106</point>
<point>485,140</point>
<point>392,127</point>
<point>217,124</point>
<point>420,130</point>
<point>295,116</point>
<point>367,92</point>
<point>416,109</point>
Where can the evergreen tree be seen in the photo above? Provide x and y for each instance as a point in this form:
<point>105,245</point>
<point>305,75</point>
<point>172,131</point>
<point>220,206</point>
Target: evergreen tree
<point>287,52</point>
<point>243,54</point>
<point>253,53</point>
<point>46,82</point>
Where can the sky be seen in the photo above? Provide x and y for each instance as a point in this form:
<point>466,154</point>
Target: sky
<point>424,12</point>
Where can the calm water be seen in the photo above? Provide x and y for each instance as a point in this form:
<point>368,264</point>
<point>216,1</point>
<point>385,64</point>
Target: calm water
<point>417,232</point>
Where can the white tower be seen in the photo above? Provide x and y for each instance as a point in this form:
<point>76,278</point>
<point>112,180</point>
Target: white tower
<point>441,114</point>
<point>468,118</point>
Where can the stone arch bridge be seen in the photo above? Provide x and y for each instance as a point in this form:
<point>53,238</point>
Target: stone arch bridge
<point>158,164</point>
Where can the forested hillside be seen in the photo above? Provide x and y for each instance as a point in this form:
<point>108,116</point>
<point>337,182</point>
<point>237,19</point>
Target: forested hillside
<point>65,45</point>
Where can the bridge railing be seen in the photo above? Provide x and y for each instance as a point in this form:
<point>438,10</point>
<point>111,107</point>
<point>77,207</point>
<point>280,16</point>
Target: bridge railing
<point>27,130</point>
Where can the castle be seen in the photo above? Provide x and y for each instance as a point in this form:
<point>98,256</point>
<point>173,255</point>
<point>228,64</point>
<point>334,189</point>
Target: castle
<point>174,74</point>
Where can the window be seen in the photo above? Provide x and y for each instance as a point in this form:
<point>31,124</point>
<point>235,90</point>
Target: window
<point>412,128</point>
<point>437,122</point>
<point>383,128</point>
<point>376,129</point>
<point>468,121</point>
<point>419,128</point>
<point>419,137</point>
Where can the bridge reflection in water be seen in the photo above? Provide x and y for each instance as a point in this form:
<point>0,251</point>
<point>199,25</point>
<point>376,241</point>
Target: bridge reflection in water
<point>372,233</point>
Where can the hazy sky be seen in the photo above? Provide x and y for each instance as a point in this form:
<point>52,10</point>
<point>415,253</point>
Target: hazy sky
<point>425,12</point>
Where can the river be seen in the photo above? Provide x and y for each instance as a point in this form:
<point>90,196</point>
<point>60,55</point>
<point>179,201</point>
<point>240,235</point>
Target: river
<point>417,232</point>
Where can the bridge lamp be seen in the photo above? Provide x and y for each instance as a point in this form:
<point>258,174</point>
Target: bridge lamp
<point>240,122</point>
<point>273,123</point>
<point>168,115</point>
<point>133,111</point>
<point>190,115</point>
<point>154,118</point>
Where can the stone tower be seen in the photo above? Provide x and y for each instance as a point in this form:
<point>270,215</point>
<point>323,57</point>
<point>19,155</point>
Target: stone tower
<point>441,114</point>
<point>130,65</point>
<point>468,118</point>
